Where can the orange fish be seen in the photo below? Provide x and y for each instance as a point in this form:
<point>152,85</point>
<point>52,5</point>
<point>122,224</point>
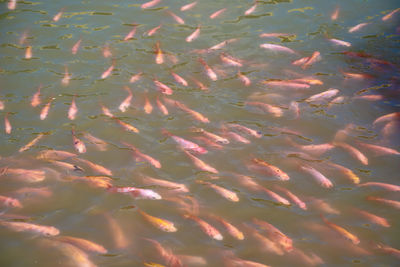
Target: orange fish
<point>217,13</point>
<point>159,223</point>
<point>251,9</point>
<point>12,4</point>
<point>159,54</point>
<point>108,71</point>
<point>176,187</point>
<point>244,79</point>
<point>78,144</point>
<point>275,234</point>
<point>76,46</point>
<point>140,156</point>
<point>81,243</point>
<point>229,195</point>
<point>100,144</point>
<point>131,34</point>
<point>66,78</point>
<point>200,164</point>
<point>175,17</point>
<point>179,79</point>
<point>154,30</point>
<point>30,227</point>
<point>117,234</point>
<point>57,17</point>
<point>28,52</point>
<point>135,77</point>
<point>354,152</point>
<point>343,232</point>
<point>35,100</point>
<point>196,115</point>
<point>31,143</point>
<point>73,109</point>
<point>127,101</point>
<point>148,108</point>
<point>205,227</point>
<point>372,217</point>
<point>126,126</point>
<point>390,15</point>
<point>10,202</point>
<point>7,124</point>
<point>163,88</point>
<point>395,204</point>
<point>194,35</point>
<point>319,177</point>
<point>106,51</point>
<point>45,109</point>
<point>275,171</point>
<point>232,230</point>
<point>95,167</point>
<point>161,106</point>
<point>335,13</point>
<point>210,73</point>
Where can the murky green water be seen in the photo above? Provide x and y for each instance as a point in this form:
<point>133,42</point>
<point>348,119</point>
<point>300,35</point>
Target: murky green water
<point>79,199</point>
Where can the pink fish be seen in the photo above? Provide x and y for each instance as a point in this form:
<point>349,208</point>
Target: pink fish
<point>28,52</point>
<point>140,156</point>
<point>294,108</point>
<point>273,34</point>
<point>161,106</point>
<point>7,124</point>
<point>196,115</point>
<point>201,85</point>
<point>289,84</point>
<point>12,4</point>
<point>236,137</point>
<point>176,17</point>
<point>389,187</point>
<point>150,4</point>
<point>154,30</point>
<point>222,44</point>
<point>323,96</point>
<point>175,187</point>
<point>127,101</point>
<point>106,111</point>
<point>45,109</point>
<point>205,227</point>
<point>67,77</point>
<point>358,27</point>
<point>188,6</point>
<point>244,79</point>
<point>106,51</point>
<point>379,150</point>
<point>274,195</point>
<point>163,88</point>
<point>275,234</point>
<point>232,230</point>
<point>194,35</point>
<point>78,144</point>
<point>335,13</point>
<point>179,79</point>
<point>395,116</point>
<point>126,126</point>
<point>159,54</point>
<point>30,227</point>
<point>108,71</point>
<point>277,48</point>
<point>229,195</point>
<point>270,169</point>
<point>135,77</point>
<point>354,152</point>
<point>148,108</point>
<point>210,73</point>
<point>10,202</point>
<point>185,144</point>
<point>393,203</point>
<point>251,9</point>
<point>214,137</point>
<point>137,193</point>
<point>292,197</point>
<point>72,110</point>
<point>316,56</point>
<point>390,15</point>
<point>245,129</point>
<point>130,34</point>
<point>319,177</point>
<point>217,13</point>
<point>57,17</point>
<point>273,110</point>
<point>76,46</point>
<point>229,60</point>
<point>340,42</point>
<point>200,164</point>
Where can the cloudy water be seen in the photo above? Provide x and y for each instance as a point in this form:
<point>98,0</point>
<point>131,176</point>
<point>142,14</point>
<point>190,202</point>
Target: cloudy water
<point>205,133</point>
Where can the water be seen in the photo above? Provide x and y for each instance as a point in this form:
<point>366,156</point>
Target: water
<point>112,219</point>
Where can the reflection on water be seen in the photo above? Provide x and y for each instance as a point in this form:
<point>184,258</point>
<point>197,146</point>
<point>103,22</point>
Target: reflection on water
<point>205,133</point>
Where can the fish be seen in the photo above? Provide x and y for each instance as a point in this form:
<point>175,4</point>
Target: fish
<point>175,17</point>
<point>12,4</point>
<point>316,56</point>
<point>78,144</point>
<point>7,124</point>
<point>154,30</point>
<point>137,193</point>
<point>28,52</point>
<point>354,152</point>
<point>150,4</point>
<point>231,229</point>
<point>294,108</point>
<point>31,143</point>
<point>179,79</point>
<point>217,13</point>
<point>73,109</point>
<point>229,60</point>
<point>347,172</point>
<point>251,9</point>
<point>196,115</point>
<point>214,137</point>
<point>278,48</point>
<point>58,16</point>
<point>340,230</point>
<point>389,187</point>
<point>264,243</point>
<point>127,101</point>
<point>159,54</point>
<point>83,244</point>
<point>140,156</point>
<point>395,204</point>
<point>358,76</point>
<point>200,164</point>
<point>45,109</point>
<point>245,129</point>
<point>106,111</point>
<point>319,177</point>
<point>210,73</point>
<point>159,223</point>
<point>117,234</point>
<point>127,126</point>
<point>323,96</point>
<point>273,34</point>
<point>108,71</point>
<point>165,254</point>
<point>30,227</point>
<point>93,181</point>
<point>161,106</point>
<point>229,195</point>
<point>175,187</point>
<point>275,234</point>
<point>273,195</point>
<point>67,77</point>
<point>395,116</point>
<point>292,197</point>
<point>10,202</point>
<point>136,77</point>
<point>131,34</point>
<point>31,176</point>
<point>148,108</point>
<point>208,229</point>
<point>378,150</point>
<point>372,217</point>
<point>222,44</point>
<point>162,87</point>
<point>339,42</point>
<point>289,84</point>
<point>244,79</point>
<point>100,144</point>
<point>76,46</point>
<point>55,155</point>
<point>357,27</point>
<point>388,250</point>
<point>185,144</point>
<point>188,6</point>
<point>95,167</point>
<point>335,13</point>
<point>193,36</point>
<point>107,51</point>
<point>270,169</point>
<point>35,100</point>
<point>67,166</point>
<point>273,110</point>
<point>390,14</point>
